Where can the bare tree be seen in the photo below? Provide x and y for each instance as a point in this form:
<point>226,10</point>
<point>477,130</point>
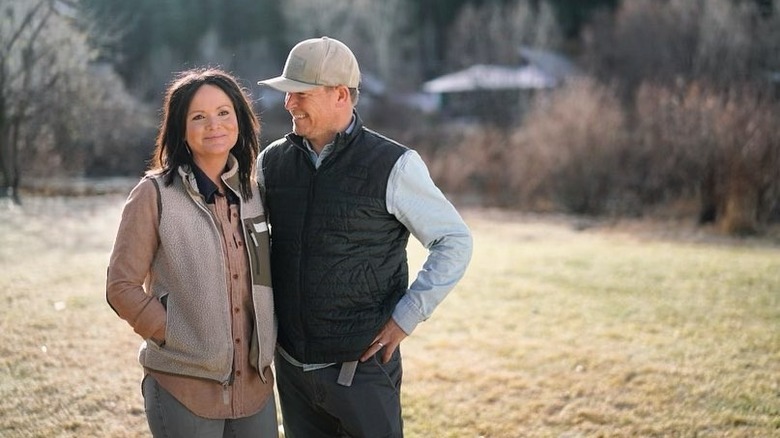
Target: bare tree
<point>41,56</point>
<point>375,31</point>
<point>722,42</point>
<point>386,22</point>
<point>493,32</point>
<point>645,39</point>
<point>693,74</point>
<point>16,23</point>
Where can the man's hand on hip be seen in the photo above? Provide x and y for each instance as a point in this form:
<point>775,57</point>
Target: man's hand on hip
<point>389,338</point>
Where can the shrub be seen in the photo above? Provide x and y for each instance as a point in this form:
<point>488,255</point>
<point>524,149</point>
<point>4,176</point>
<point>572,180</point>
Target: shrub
<point>674,138</point>
<point>718,146</point>
<point>569,152</point>
<point>465,160</point>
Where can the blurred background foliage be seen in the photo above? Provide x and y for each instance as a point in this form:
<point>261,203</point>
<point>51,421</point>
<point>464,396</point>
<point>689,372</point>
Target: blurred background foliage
<point>672,112</point>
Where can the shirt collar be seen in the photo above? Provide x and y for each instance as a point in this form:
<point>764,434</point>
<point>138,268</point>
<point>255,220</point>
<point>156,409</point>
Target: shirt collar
<point>351,125</point>
<point>208,189</point>
<point>347,131</point>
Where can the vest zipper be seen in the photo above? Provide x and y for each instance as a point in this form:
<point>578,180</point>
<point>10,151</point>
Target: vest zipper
<point>198,199</point>
<point>304,258</point>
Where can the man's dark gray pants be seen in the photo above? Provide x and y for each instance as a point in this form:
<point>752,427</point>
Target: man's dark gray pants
<point>315,405</point>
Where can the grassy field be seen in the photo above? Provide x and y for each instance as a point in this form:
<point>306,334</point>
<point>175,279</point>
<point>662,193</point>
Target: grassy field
<point>554,332</point>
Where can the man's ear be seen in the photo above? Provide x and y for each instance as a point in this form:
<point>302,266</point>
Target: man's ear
<point>343,95</point>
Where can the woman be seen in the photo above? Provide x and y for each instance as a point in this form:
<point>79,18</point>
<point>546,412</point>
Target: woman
<point>190,270</point>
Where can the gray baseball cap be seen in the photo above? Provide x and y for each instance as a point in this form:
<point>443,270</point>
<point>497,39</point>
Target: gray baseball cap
<point>317,62</point>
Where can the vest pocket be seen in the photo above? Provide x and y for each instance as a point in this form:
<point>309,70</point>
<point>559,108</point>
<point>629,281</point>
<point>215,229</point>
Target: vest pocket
<point>258,247</point>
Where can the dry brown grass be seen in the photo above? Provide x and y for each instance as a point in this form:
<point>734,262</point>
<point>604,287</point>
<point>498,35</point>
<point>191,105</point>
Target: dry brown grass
<point>68,364</point>
<point>552,333</point>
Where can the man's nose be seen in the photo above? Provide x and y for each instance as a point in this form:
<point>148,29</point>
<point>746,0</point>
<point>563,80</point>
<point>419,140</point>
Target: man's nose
<point>290,101</point>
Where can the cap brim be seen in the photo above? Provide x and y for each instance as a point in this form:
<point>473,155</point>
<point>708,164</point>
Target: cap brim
<point>287,85</point>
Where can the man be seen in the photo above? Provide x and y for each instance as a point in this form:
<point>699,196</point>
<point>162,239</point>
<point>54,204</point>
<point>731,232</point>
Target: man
<point>342,202</point>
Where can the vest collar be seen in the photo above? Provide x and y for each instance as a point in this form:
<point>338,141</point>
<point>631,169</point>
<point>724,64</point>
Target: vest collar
<point>230,177</point>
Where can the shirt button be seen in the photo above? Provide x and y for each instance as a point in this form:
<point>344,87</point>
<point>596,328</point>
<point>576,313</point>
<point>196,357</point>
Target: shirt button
<point>236,310</point>
<point>238,340</point>
<point>240,243</point>
<point>238,373</point>
<point>235,276</point>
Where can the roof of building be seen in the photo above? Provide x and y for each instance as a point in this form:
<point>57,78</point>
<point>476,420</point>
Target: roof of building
<point>542,69</point>
<point>491,77</point>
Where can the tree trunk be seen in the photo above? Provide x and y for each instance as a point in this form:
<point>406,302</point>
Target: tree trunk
<point>708,196</point>
<point>13,171</point>
<point>740,208</point>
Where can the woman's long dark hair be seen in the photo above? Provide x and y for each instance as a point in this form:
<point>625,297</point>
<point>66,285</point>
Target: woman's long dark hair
<point>171,151</point>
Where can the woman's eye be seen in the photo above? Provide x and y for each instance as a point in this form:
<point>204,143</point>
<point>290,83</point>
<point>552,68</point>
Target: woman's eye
<point>197,117</point>
<point>224,112</point>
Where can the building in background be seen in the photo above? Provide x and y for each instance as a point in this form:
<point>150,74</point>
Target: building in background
<point>499,94</point>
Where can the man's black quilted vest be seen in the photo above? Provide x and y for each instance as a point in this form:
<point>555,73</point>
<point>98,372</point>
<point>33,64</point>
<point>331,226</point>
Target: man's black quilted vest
<point>338,257</point>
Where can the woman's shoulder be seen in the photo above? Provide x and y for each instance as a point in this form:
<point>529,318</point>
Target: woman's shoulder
<point>147,183</point>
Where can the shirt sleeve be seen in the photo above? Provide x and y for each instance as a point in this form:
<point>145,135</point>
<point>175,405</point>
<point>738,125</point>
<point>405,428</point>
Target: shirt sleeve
<point>414,199</point>
<point>131,258</point>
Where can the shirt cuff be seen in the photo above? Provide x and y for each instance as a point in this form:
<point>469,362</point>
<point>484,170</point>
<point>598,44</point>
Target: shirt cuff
<point>407,315</point>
